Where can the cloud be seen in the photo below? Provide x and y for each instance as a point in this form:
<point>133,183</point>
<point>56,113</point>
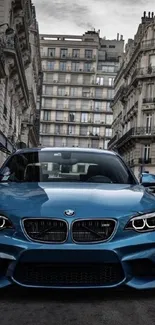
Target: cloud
<point>76,17</point>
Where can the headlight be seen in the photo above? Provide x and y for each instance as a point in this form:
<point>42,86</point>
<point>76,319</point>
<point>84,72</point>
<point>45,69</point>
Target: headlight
<point>5,223</point>
<point>143,223</point>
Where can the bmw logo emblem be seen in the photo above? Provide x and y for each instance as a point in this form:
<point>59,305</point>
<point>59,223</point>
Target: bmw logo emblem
<point>69,213</point>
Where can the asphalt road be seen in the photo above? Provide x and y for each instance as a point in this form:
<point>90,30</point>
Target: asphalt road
<point>26,307</point>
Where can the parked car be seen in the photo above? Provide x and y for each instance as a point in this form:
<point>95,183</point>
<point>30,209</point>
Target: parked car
<point>74,218</point>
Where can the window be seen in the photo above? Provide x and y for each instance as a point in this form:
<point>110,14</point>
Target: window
<point>152,60</point>
<point>51,52</point>
<point>84,117</point>
<point>88,54</point>
<point>111,81</point>
<point>83,130</point>
<point>75,66</point>
<point>148,123</point>
<point>86,92</point>
<point>71,129</point>
<point>74,91</point>
<point>95,143</point>
<point>112,46</point>
<point>70,142</point>
<point>108,132</point>
<point>98,106</point>
<point>59,116</point>
<point>96,131</point>
<point>62,78</point>
<point>105,93</point>
<point>57,143</point>
<point>60,104</point>
<point>87,67</point>
<point>108,107</point>
<point>106,144</point>
<point>106,68</point>
<point>29,167</point>
<point>71,117</point>
<point>98,93</point>
<point>100,81</point>
<point>110,93</point>
<point>150,91</point>
<point>97,118</point>
<point>109,119</point>
<point>48,103</point>
<point>146,153</point>
<point>48,90</point>
<point>45,128</point>
<point>64,53</point>
<point>46,115</point>
<point>62,66</point>
<point>72,104</point>
<point>61,91</point>
<point>45,141</point>
<point>76,53</point>
<point>58,129</point>
<point>50,65</point>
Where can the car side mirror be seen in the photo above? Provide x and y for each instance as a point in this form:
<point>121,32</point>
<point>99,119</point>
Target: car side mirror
<point>148,180</point>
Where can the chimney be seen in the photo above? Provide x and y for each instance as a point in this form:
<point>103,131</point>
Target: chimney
<point>121,37</point>
<point>144,14</point>
<point>149,14</point>
<point>152,14</point>
<point>117,36</point>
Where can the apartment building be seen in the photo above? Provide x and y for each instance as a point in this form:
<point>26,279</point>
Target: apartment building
<point>78,79</point>
<point>19,75</point>
<point>134,100</point>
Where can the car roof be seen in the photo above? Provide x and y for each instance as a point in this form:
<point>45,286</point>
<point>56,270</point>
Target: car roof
<point>74,149</point>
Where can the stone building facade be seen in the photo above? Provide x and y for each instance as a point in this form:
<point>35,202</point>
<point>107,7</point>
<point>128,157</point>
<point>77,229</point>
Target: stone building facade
<point>20,74</point>
<point>78,76</point>
<point>134,100</point>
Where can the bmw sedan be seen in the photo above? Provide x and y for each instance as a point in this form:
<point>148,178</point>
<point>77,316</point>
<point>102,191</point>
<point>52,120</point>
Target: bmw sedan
<point>74,218</point>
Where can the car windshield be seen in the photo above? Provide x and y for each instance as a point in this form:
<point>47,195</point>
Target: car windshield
<point>66,166</point>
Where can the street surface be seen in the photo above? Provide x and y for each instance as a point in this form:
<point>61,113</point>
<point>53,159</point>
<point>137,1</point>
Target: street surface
<point>22,307</point>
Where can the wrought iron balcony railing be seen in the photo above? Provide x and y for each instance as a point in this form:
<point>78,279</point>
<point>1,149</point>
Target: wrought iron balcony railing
<point>133,132</point>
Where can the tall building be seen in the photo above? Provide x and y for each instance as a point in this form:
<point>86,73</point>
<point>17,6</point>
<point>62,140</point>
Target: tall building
<point>19,75</point>
<point>134,100</point>
<point>78,78</point>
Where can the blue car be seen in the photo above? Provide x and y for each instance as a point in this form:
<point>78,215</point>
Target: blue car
<point>74,218</point>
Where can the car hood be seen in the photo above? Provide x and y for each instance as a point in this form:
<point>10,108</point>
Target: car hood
<point>52,199</point>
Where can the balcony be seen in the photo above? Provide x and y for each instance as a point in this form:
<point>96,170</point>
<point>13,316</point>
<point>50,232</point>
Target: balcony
<point>138,133</point>
<point>112,141</point>
<point>142,73</point>
<point>147,45</point>
<point>46,67</point>
<point>12,49</point>
<point>68,95</point>
<point>68,57</point>
<point>75,122</point>
<point>91,83</point>
<point>144,161</point>
<point>149,100</point>
<point>63,133</point>
<point>75,109</point>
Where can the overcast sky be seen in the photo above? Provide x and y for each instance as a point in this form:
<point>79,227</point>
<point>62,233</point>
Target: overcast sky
<point>77,16</point>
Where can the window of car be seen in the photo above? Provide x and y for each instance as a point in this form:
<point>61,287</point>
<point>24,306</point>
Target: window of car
<point>66,166</point>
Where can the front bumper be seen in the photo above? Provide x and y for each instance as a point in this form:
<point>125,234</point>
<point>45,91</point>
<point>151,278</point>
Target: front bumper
<point>128,262</point>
